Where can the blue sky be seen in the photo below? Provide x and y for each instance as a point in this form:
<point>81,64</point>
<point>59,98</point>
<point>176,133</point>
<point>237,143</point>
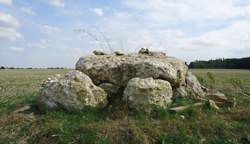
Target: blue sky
<point>46,33</point>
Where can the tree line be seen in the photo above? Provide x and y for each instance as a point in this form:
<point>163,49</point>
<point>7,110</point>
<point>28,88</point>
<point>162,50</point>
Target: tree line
<point>3,67</point>
<point>229,63</point>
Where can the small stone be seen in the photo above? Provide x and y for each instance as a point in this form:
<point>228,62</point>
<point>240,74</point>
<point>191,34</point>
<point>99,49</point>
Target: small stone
<point>143,51</point>
<point>98,52</point>
<point>182,108</point>
<point>157,54</point>
<point>22,109</point>
<point>213,105</point>
<point>216,96</point>
<point>118,53</point>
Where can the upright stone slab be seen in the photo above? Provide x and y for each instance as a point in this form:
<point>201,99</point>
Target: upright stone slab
<point>142,93</point>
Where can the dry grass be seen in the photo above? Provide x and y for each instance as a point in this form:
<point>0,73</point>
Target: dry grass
<point>196,125</point>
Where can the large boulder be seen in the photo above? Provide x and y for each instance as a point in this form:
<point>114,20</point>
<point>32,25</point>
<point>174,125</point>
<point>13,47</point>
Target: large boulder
<point>141,93</point>
<point>71,92</point>
<point>118,70</point>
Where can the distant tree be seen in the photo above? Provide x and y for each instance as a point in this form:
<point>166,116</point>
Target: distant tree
<point>242,63</point>
<point>56,68</point>
<point>2,67</point>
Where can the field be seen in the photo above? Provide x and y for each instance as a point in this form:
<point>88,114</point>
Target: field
<point>18,88</point>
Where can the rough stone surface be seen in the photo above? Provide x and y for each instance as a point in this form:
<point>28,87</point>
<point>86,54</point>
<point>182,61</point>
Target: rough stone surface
<point>118,53</point>
<point>216,95</point>
<point>118,70</point>
<point>182,108</point>
<point>110,89</point>
<point>180,92</point>
<point>194,87</point>
<point>71,92</point>
<point>144,92</point>
<point>143,79</point>
<point>98,52</point>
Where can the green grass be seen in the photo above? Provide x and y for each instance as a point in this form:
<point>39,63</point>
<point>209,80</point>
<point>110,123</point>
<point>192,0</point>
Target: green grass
<point>196,125</point>
<point>19,87</point>
<point>234,83</point>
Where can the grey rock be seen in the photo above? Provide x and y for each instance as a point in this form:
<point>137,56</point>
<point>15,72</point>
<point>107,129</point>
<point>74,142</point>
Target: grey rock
<point>216,95</point>
<point>183,108</point>
<point>157,54</point>
<point>118,53</point>
<point>220,99</point>
<point>118,70</point>
<point>180,92</point>
<point>110,89</point>
<point>141,93</point>
<point>143,51</point>
<point>98,52</point>
<point>23,109</point>
<point>213,105</point>
<point>194,87</point>
<point>146,51</point>
<point>71,92</point>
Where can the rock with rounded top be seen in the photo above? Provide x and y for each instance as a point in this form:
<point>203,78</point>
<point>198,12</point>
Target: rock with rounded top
<point>143,93</point>
<point>118,70</point>
<point>98,52</point>
<point>143,51</point>
<point>71,92</point>
<point>118,53</point>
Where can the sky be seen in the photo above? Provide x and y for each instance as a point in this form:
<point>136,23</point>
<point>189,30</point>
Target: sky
<point>55,33</point>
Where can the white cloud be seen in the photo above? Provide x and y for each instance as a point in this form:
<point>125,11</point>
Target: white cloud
<point>7,20</point>
<point>28,10</point>
<point>98,11</point>
<point>189,9</point>
<point>226,41</point>
<point>42,44</point>
<point>8,27</point>
<point>51,29</point>
<point>223,42</point>
<point>16,49</point>
<point>71,12</point>
<point>190,29</point>
<point>9,34</point>
<point>58,3</point>
<point>6,2</point>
